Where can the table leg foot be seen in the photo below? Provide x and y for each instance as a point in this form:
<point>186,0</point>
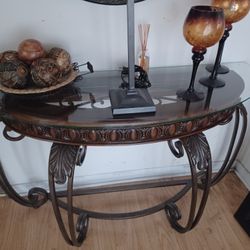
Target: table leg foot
<point>36,196</point>
<point>199,156</point>
<point>62,161</point>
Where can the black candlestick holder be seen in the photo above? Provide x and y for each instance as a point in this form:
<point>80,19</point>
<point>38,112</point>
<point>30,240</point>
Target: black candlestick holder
<point>217,68</point>
<point>191,94</point>
<point>213,81</point>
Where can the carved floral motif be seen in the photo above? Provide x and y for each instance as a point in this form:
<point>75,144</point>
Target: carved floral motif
<point>118,135</point>
<point>62,160</point>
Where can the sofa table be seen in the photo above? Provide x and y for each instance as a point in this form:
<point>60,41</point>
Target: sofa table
<point>79,115</point>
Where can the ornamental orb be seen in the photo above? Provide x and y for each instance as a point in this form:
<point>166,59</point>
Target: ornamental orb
<point>9,55</point>
<point>45,72</point>
<point>30,50</point>
<point>14,74</point>
<point>62,58</point>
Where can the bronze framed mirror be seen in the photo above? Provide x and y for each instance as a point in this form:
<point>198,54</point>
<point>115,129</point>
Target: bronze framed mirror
<point>111,2</point>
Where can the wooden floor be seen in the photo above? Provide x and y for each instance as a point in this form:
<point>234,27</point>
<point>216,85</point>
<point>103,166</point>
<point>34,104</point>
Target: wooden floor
<point>24,228</point>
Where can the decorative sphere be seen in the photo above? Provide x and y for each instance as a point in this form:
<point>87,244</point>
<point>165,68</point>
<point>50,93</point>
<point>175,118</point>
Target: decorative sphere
<point>13,74</point>
<point>9,55</point>
<point>62,58</point>
<point>45,72</point>
<point>30,50</point>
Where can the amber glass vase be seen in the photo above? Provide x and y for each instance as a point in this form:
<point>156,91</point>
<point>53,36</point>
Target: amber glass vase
<point>234,11</point>
<point>203,27</point>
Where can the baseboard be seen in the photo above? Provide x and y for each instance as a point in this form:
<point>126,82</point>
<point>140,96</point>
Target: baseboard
<point>113,178</point>
<point>243,173</point>
<point>2,193</point>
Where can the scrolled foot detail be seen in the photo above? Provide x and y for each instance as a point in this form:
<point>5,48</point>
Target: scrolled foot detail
<point>37,196</point>
<point>173,212</point>
<point>82,227</point>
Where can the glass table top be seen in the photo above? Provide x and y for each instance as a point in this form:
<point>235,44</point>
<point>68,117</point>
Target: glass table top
<point>85,103</point>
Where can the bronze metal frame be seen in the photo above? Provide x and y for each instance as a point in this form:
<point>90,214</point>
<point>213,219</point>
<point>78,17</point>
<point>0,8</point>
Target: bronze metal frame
<point>63,159</point>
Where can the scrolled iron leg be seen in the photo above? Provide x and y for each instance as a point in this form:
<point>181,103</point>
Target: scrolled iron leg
<point>62,161</point>
<point>233,149</point>
<point>199,156</point>
<point>36,196</point>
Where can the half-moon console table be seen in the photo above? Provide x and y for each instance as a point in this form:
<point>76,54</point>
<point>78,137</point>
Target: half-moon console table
<point>79,115</point>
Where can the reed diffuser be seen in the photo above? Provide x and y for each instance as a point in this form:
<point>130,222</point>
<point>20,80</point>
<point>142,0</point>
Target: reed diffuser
<point>143,54</point>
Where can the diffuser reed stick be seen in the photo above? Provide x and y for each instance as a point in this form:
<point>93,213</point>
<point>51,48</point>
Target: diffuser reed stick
<point>143,35</point>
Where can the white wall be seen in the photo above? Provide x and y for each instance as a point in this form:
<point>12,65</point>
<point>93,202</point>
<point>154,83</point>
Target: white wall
<point>98,34</point>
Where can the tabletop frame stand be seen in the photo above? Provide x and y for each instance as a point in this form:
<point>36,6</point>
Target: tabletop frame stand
<point>63,159</point>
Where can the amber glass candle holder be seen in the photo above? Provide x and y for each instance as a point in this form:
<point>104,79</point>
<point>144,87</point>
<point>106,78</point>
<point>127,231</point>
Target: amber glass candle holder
<point>234,11</point>
<point>203,27</point>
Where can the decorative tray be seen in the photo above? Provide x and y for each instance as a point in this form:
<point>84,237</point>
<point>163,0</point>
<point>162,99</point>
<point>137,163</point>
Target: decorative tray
<point>36,90</point>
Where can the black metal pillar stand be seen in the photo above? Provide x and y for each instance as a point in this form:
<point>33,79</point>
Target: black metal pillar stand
<point>132,100</point>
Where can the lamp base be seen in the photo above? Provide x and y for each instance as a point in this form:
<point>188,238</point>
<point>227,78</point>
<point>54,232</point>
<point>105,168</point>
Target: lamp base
<point>212,83</point>
<point>191,96</point>
<point>131,101</point>
<point>221,69</point>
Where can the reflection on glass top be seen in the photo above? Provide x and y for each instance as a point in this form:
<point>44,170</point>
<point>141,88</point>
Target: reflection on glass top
<point>86,101</point>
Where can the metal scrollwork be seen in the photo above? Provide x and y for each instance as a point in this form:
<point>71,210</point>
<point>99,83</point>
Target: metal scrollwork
<point>63,159</point>
<point>11,138</point>
<point>179,151</point>
<point>173,211</point>
<point>234,147</point>
<point>229,119</point>
<point>36,196</point>
<point>62,162</point>
<point>198,149</point>
<point>82,226</point>
<point>199,156</point>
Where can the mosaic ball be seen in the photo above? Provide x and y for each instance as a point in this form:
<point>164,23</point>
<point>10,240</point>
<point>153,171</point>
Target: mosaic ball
<point>62,58</point>
<point>9,55</point>
<point>14,74</point>
<point>45,72</point>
